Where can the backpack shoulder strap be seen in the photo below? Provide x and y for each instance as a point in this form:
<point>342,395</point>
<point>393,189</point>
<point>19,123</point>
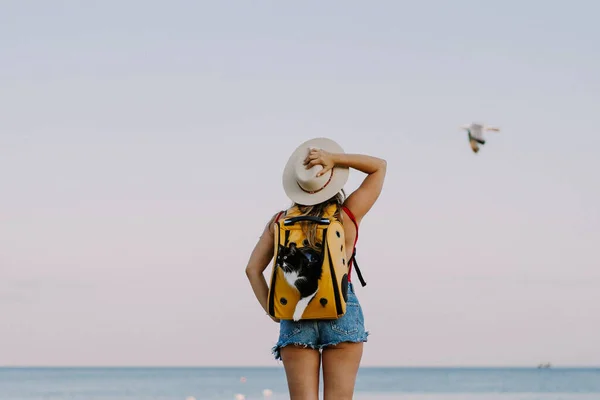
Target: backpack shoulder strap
<point>278,216</point>
<point>352,261</point>
<point>353,219</point>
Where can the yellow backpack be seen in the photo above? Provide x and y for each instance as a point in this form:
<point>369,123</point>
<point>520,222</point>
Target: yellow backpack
<point>309,283</point>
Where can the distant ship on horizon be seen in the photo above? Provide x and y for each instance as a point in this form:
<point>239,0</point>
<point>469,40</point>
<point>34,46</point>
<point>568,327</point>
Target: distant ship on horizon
<point>544,365</point>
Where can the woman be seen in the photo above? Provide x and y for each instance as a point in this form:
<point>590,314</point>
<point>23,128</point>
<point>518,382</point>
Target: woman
<point>313,179</point>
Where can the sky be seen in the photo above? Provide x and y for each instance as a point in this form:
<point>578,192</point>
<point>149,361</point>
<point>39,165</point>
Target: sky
<point>142,145</point>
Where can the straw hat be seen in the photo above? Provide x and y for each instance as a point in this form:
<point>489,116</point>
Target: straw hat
<point>302,185</point>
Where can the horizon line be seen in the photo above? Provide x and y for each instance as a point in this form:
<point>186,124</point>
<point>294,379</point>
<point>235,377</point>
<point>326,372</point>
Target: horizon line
<point>281,366</point>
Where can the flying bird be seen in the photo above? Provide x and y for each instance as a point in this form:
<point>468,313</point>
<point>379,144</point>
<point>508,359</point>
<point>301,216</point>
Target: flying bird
<point>475,131</point>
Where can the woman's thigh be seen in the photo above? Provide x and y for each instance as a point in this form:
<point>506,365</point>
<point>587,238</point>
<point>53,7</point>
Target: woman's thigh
<point>340,367</point>
<point>301,366</point>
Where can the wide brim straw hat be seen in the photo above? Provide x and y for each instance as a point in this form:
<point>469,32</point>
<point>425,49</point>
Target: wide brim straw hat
<point>302,185</point>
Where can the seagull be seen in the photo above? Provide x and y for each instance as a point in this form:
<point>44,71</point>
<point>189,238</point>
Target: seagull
<point>475,131</point>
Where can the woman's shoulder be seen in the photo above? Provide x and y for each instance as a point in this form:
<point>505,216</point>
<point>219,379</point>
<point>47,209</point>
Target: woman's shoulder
<point>276,217</point>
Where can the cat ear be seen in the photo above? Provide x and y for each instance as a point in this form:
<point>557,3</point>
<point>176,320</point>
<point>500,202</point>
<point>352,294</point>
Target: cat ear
<point>293,249</point>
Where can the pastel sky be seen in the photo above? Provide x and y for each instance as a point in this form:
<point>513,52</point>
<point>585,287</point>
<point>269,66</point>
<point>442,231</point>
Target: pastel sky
<point>141,151</point>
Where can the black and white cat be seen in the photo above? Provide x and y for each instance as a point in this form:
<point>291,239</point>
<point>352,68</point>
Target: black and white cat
<point>302,269</point>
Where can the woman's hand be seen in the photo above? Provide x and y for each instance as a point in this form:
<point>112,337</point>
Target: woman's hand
<point>320,157</point>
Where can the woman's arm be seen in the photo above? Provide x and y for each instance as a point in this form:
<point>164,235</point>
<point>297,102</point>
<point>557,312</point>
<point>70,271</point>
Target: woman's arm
<point>363,198</point>
<point>259,261</point>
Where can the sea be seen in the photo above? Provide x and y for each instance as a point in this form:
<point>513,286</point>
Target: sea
<point>269,383</point>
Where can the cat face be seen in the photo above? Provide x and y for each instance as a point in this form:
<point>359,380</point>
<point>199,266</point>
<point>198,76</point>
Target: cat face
<point>291,259</point>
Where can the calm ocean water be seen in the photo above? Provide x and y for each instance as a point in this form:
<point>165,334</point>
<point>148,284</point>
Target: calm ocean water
<point>225,383</point>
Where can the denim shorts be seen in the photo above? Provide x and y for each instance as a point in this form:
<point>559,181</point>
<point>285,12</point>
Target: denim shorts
<point>317,334</point>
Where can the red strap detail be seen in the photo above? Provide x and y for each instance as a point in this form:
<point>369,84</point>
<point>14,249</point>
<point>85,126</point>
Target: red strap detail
<point>353,219</point>
<point>278,215</point>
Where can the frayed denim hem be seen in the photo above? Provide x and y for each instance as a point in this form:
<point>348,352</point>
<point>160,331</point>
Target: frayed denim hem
<point>362,339</point>
<point>277,349</point>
